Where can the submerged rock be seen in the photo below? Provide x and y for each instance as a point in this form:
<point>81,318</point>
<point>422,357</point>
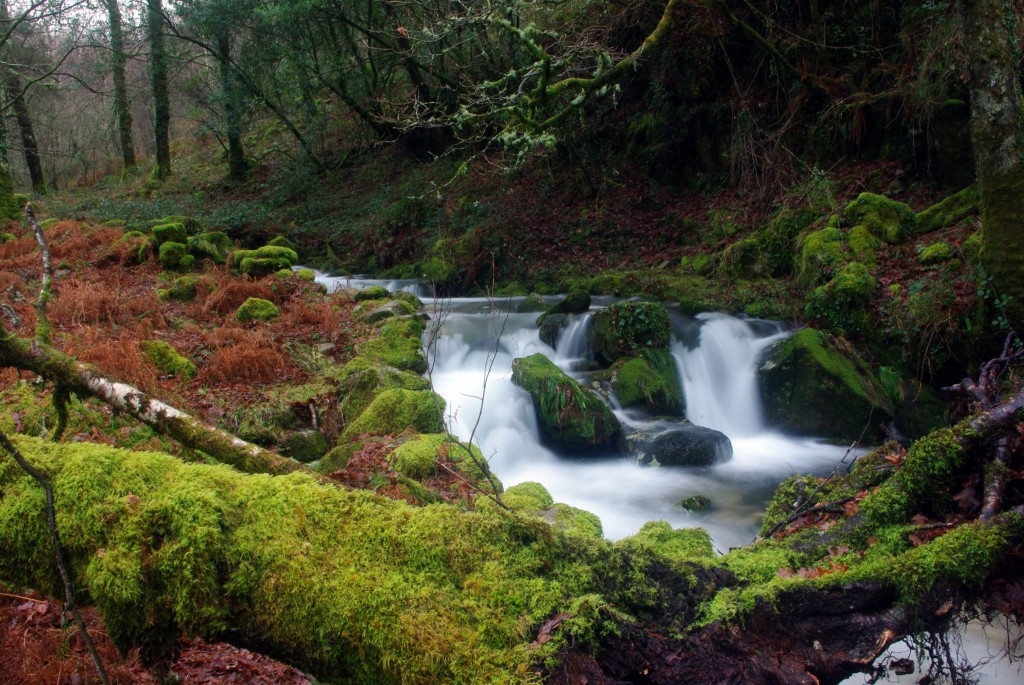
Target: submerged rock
<point>569,415</point>
<point>681,444</point>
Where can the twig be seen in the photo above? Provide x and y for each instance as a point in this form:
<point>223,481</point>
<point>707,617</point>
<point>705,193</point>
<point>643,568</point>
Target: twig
<point>58,550</point>
<point>827,506</point>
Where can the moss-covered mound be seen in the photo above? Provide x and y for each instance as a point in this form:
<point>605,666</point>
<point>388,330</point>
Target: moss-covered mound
<point>167,359</point>
<point>418,458</point>
<point>650,381</point>
<point>949,211</point>
<point>568,414</point>
<point>399,345</point>
<point>843,304</point>
<point>170,233</point>
<point>257,309</point>
<point>174,255</point>
<point>810,388</point>
<point>627,329</point>
<point>351,586</point>
<point>215,246</point>
<point>888,220</point>
<point>364,378</point>
<point>394,411</point>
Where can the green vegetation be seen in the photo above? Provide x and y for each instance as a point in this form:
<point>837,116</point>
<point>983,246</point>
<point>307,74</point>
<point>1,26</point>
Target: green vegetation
<point>257,309</point>
<point>164,357</point>
<point>650,381</point>
<point>393,411</point>
<point>628,329</point>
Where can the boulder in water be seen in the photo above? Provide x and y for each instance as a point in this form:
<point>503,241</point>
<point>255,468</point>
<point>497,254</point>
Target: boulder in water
<point>810,388</point>
<point>569,415</point>
<point>628,329</point>
<point>682,444</point>
<point>531,303</point>
<point>576,302</point>
<point>551,328</point>
<point>650,382</point>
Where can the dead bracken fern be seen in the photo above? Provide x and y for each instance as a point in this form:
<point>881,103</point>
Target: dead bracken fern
<point>244,362</point>
<point>119,358</point>
<point>232,294</point>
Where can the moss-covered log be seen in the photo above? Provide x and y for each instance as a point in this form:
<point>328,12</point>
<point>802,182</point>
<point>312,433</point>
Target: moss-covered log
<point>87,381</point>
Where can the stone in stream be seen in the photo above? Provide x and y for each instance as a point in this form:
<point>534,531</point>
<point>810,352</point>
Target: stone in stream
<point>681,444</point>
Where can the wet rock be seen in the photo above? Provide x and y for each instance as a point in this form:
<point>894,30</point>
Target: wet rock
<point>551,327</point>
<point>681,444</point>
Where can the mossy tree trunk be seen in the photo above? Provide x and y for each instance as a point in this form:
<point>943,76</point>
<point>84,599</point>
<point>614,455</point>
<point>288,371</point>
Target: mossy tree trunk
<point>996,136</point>
<point>29,146</point>
<point>237,168</point>
<point>122,107</point>
<point>158,74</point>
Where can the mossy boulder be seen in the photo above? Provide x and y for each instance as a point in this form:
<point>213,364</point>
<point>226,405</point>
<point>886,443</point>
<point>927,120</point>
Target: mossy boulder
<point>306,445</point>
<point>821,253</point>
<point>388,310</point>
<point>569,415</point>
<point>888,220</point>
<point>683,444</point>
<point>842,304</point>
<point>574,521</point>
<point>628,329</point>
<point>170,233</point>
<point>167,359</point>
<point>257,309</point>
<point>650,381</point>
<point>551,328</point>
<point>936,253</point>
<point>175,255</point>
<point>282,241</point>
<point>531,303</point>
<point>576,302</point>
<point>374,292</point>
<point>528,497</point>
<point>306,274</point>
<point>364,378</point>
<point>7,237</point>
<point>186,288</point>
<point>863,245</point>
<point>950,211</point>
<point>809,387</point>
<point>695,503</point>
<point>417,458</point>
<point>190,223</point>
<point>399,345</point>
<point>215,246</point>
<point>394,411</point>
<point>680,545</point>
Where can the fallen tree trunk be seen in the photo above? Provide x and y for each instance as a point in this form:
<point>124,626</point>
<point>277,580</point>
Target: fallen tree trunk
<point>87,381</point>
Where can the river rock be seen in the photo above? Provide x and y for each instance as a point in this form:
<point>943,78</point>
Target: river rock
<point>569,415</point>
<point>551,327</point>
<point>531,303</point>
<point>682,444</point>
<point>650,382</point>
<point>810,388</point>
<point>628,329</point>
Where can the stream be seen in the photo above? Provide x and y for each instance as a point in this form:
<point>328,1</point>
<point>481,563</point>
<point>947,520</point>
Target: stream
<point>472,342</point>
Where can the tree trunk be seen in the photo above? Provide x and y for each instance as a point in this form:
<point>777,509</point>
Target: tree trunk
<point>237,168</point>
<point>87,381</point>
<point>28,135</point>
<point>996,137</point>
<point>158,72</point>
<point>122,108</point>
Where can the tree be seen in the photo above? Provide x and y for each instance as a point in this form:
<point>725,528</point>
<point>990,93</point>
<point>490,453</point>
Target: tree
<point>996,134</point>
<point>122,106</point>
<point>159,66</point>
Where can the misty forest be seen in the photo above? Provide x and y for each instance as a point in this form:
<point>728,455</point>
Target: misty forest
<point>511,341</point>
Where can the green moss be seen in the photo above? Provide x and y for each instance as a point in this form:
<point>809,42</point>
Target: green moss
<point>306,445</point>
<point>628,329</point>
<point>842,304</point>
<point>575,521</point>
<point>575,302</point>
<point>257,309</point>
<point>863,244</point>
<point>528,496</point>
<point>399,345</point>
<point>363,378</point>
<point>191,224</point>
<point>821,253</point>
<point>7,237</point>
<point>936,253</point>
<point>650,381</point>
<point>949,211</point>
<point>10,210</point>
<point>186,288</point>
<point>215,246</point>
<point>531,303</point>
<point>278,253</point>
<point>306,275</point>
<point>387,310</point>
<point>971,248</point>
<point>170,233</point>
<point>677,545</point>
<point>810,387</point>
<point>339,456</point>
<point>568,414</point>
<point>282,241</point>
<point>175,256</point>
<point>889,220</point>
<point>167,359</point>
<point>417,458</point>
<point>236,257</point>
<point>394,411</point>
<point>374,292</point>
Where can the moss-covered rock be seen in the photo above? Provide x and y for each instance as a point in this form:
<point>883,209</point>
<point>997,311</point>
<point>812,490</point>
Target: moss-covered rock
<point>215,246</point>
<point>186,288</point>
<point>306,274</point>
<point>374,292</point>
<point>888,220</point>
<point>650,381</point>
<point>971,248</point>
<point>863,245</point>
<point>695,503</point>
<point>257,309</point>
<point>167,359</point>
<point>936,253</point>
<point>532,303</point>
<point>306,445</point>
<point>576,302</point>
<point>7,237</point>
<point>842,304</point>
<point>364,378</point>
<point>191,224</point>
<point>399,345</point>
<point>949,211</point>
<point>568,414</point>
<point>551,327</point>
<point>678,545</point>
<point>417,458</point>
<point>821,253</point>
<point>388,310</point>
<point>811,388</point>
<point>170,233</point>
<point>394,411</point>
<point>282,241</point>
<point>175,255</point>
<point>528,496</point>
<point>628,329</point>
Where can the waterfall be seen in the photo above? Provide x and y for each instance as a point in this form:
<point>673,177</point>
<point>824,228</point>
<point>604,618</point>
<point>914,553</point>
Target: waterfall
<point>719,375</point>
<point>574,341</point>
